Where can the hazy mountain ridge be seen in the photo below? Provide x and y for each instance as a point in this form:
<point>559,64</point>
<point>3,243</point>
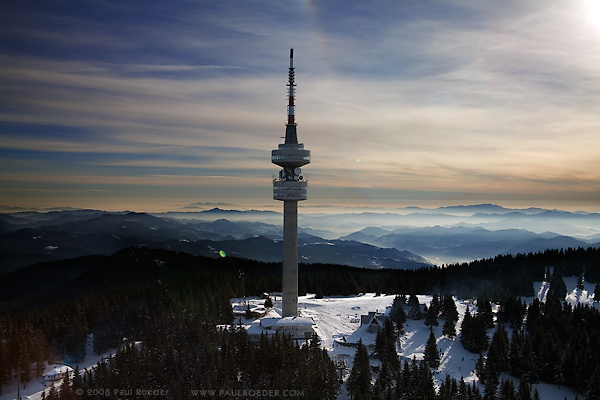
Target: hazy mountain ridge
<point>107,233</point>
<point>442,235</point>
<point>459,243</point>
<point>311,250</point>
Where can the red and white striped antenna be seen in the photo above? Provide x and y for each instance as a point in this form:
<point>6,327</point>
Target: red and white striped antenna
<point>291,91</point>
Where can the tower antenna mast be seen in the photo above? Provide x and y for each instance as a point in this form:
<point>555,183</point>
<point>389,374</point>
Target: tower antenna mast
<point>291,90</point>
<point>290,187</point>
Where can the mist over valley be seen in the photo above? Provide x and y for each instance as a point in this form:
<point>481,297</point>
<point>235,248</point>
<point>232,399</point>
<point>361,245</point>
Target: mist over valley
<point>405,238</point>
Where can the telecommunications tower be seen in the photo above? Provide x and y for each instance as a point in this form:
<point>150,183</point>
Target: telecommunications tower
<point>290,187</point>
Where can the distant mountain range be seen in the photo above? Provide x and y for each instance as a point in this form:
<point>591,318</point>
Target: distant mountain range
<point>26,240</point>
<point>458,244</point>
<point>408,238</point>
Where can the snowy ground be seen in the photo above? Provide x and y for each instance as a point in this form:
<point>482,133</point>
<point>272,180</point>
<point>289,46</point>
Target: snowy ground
<point>339,317</point>
<point>36,386</point>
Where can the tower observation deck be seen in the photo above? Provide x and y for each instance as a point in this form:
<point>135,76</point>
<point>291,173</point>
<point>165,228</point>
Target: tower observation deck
<point>290,187</point>
<point>290,155</point>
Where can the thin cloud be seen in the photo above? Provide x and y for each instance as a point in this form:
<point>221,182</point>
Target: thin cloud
<point>468,98</point>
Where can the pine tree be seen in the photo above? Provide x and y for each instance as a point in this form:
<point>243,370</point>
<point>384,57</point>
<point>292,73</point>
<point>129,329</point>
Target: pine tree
<point>23,362</point>
<point>514,355</point>
<point>492,379</point>
<point>397,313</point>
<point>426,388</point>
<point>533,315</point>
<point>480,369</point>
<point>319,293</point>
<point>463,390</point>
<point>431,355</point>
<point>384,386</point>
<point>466,327</point>
<point>449,308</point>
<point>385,344</point>
<point>473,333</point>
<point>512,311</point>
<point>436,304</point>
<point>498,353</point>
<point>449,329</point>
<point>580,280</point>
<point>415,308</point>
<point>52,395</point>
<point>268,302</point>
<point>507,390</point>
<point>594,392</point>
<point>66,390</point>
<point>4,363</point>
<point>491,387</point>
<point>448,389</point>
<point>528,368</point>
<point>524,390</point>
<point>597,293</point>
<point>557,288</point>
<point>77,383</point>
<point>359,381</point>
<point>431,316</point>
<point>484,309</point>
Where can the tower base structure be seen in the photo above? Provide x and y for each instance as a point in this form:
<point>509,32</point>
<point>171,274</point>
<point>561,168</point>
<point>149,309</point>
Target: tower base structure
<point>289,306</point>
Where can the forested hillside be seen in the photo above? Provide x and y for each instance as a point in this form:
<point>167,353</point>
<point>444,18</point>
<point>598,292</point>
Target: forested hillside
<point>171,303</point>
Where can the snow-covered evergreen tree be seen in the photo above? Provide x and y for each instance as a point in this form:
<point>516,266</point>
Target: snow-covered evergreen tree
<point>558,288</point>
<point>484,309</point>
<point>449,308</point>
<point>580,282</point>
<point>473,336</point>
<point>498,352</point>
<point>385,384</point>
<point>431,316</point>
<point>449,329</point>
<point>359,381</point>
<point>397,313</point>
<point>385,345</point>
<point>514,355</point>
<point>431,354</point>
<point>415,308</point>
<point>268,302</point>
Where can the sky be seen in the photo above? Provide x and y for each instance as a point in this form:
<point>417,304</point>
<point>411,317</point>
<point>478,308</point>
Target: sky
<point>156,105</point>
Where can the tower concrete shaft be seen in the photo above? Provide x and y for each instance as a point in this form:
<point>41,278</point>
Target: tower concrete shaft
<point>289,305</point>
<point>290,187</point>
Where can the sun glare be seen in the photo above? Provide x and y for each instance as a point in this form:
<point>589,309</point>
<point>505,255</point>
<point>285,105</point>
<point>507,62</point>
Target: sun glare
<point>594,11</point>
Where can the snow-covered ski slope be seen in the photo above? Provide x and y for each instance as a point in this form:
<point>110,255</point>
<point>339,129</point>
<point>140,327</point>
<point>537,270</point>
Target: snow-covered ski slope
<point>339,317</point>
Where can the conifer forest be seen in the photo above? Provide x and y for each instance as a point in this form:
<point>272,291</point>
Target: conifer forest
<point>169,317</point>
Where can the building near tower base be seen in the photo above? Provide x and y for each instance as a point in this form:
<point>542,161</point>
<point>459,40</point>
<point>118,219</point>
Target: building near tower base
<point>299,328</point>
